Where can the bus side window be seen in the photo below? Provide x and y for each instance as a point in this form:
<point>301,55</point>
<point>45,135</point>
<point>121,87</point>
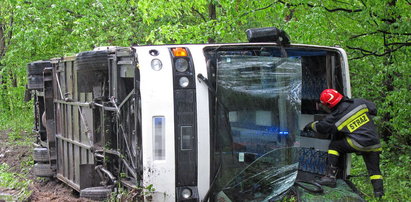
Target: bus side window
<point>314,80</point>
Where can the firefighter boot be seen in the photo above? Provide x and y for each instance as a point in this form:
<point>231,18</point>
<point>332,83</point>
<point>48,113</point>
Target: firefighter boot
<point>329,179</point>
<point>378,188</point>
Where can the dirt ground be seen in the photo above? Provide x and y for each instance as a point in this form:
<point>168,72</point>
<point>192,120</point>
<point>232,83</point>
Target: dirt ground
<point>44,189</point>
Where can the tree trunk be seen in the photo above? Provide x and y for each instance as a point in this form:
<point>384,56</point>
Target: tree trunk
<point>2,41</point>
<point>386,133</point>
<point>212,14</point>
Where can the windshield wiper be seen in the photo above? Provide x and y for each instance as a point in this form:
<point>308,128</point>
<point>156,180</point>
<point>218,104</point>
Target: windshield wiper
<point>201,78</point>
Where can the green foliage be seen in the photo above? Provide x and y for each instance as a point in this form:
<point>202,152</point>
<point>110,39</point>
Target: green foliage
<point>26,165</point>
<point>18,121</point>
<point>137,194</point>
<point>15,181</point>
<point>395,175</point>
<point>394,105</point>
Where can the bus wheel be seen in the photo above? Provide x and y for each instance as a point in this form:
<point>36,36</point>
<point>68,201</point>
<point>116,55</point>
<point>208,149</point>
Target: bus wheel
<point>92,61</point>
<point>36,68</point>
<point>43,170</point>
<point>92,70</point>
<point>96,193</point>
<point>35,74</point>
<point>40,154</point>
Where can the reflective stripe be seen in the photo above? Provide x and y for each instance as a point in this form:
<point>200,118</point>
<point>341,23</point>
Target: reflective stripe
<point>376,177</point>
<point>349,114</point>
<point>346,122</point>
<point>313,126</point>
<point>357,146</point>
<point>333,152</point>
<point>358,122</point>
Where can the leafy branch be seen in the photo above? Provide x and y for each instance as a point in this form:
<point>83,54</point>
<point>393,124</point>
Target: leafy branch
<point>379,31</point>
<point>399,43</point>
<point>302,4</point>
<point>75,14</point>
<point>200,14</point>
<point>5,36</point>
<point>2,41</point>
<point>366,53</point>
<point>326,8</point>
<point>258,9</point>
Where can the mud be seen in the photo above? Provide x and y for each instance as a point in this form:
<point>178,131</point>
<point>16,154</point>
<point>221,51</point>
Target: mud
<point>18,155</point>
<point>53,190</point>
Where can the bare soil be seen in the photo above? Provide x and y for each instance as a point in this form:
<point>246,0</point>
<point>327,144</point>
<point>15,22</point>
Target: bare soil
<point>13,153</point>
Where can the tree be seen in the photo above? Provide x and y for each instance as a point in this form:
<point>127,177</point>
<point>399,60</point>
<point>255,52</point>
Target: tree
<point>375,34</point>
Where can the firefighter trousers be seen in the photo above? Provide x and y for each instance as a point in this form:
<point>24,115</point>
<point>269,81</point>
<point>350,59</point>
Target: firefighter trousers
<point>371,159</point>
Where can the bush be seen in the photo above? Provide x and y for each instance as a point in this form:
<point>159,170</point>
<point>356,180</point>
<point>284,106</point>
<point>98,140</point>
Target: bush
<point>396,171</point>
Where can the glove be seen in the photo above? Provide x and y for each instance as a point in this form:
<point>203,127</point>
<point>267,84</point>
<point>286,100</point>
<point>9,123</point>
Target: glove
<point>309,126</point>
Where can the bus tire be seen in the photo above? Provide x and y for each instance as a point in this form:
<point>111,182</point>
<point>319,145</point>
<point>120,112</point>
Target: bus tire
<point>40,154</point>
<point>35,74</point>
<point>36,68</point>
<point>96,193</point>
<point>43,170</point>
<point>92,61</point>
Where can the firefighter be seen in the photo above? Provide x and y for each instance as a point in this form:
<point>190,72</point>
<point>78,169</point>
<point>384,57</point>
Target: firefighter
<point>351,120</point>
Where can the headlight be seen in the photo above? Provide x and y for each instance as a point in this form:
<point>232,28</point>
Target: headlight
<point>181,64</point>
<point>156,64</point>
<point>186,193</point>
<point>183,81</point>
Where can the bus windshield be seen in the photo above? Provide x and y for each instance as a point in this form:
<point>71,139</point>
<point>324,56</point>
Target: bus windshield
<point>258,106</point>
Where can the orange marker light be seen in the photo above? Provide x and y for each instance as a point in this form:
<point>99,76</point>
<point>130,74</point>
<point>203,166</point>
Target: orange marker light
<point>179,52</point>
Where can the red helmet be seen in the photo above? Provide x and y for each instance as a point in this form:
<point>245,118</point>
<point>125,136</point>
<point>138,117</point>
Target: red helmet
<point>330,98</point>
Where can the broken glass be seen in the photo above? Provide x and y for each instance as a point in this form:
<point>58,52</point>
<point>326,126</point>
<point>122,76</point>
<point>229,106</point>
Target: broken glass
<point>259,104</point>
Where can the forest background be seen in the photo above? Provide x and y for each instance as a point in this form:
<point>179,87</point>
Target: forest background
<point>375,33</point>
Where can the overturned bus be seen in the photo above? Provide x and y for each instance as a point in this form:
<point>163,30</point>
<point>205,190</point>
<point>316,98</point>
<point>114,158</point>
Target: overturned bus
<point>198,122</point>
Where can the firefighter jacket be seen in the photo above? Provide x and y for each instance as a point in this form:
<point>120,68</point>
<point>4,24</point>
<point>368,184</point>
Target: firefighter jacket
<point>353,118</point>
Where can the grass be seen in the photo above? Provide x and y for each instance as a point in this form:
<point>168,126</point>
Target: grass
<point>17,184</point>
<point>17,124</point>
<point>15,181</point>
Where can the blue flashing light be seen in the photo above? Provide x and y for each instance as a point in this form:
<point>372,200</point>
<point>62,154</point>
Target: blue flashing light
<point>283,133</point>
